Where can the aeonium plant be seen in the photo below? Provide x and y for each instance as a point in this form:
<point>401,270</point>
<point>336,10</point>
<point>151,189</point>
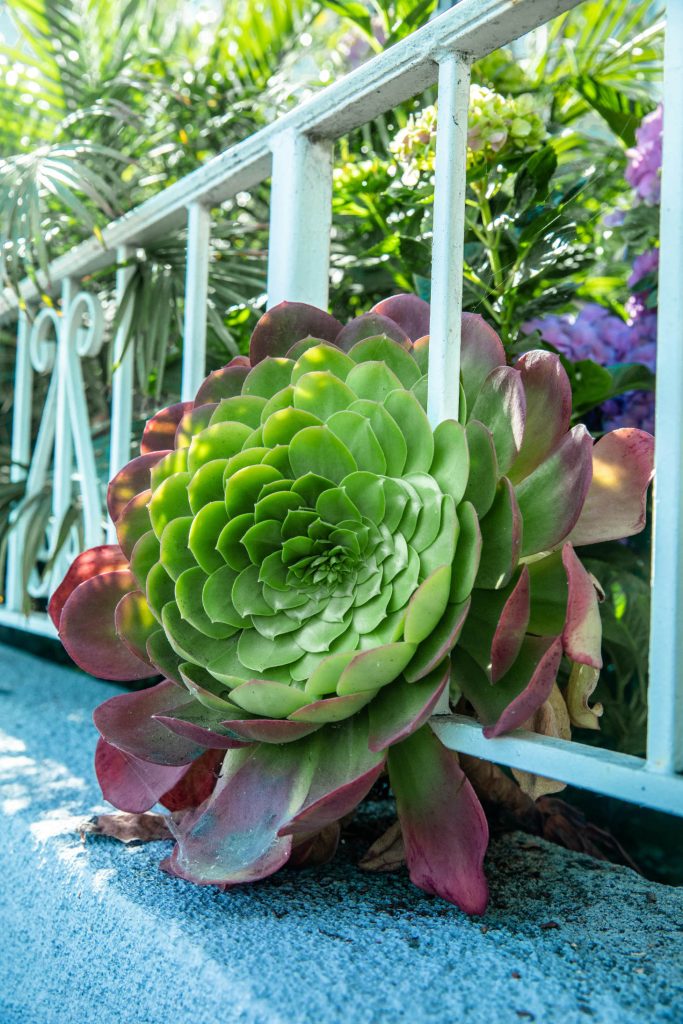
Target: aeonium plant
<point>310,567</point>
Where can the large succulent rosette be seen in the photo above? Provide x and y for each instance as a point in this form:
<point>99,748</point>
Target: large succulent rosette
<point>311,567</point>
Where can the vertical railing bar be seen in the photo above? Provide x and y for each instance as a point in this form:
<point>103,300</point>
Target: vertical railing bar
<point>63,460</point>
<point>448,240</point>
<point>300,220</point>
<point>450,182</point>
<point>665,694</point>
<point>122,378</point>
<point>20,453</point>
<point>196,292</point>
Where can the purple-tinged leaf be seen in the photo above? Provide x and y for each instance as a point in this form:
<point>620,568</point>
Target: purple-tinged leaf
<point>512,625</point>
<point>344,772</point>
<point>135,623</point>
<point>548,410</point>
<point>159,432</point>
<point>201,725</point>
<point>270,730</point>
<point>93,562</point>
<point>370,325</point>
<point>410,312</point>
<point>519,693</point>
<point>134,522</point>
<point>333,709</point>
<point>400,709</point>
<point>87,628</point>
<point>501,406</point>
<point>127,721</point>
<point>224,383</point>
<point>582,634</point>
<point>131,480</point>
<point>623,466</point>
<point>501,532</point>
<point>233,837</point>
<point>197,784</point>
<point>552,496</point>
<point>481,351</point>
<point>533,674</point>
<point>287,323</point>
<point>444,827</point>
<point>129,783</point>
<point>192,423</point>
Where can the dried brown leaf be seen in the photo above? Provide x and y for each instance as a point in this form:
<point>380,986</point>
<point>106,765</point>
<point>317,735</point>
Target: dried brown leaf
<point>128,828</point>
<point>387,853</point>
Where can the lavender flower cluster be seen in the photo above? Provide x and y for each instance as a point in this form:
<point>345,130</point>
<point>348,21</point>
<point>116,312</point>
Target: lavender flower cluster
<point>595,333</point>
<point>644,169</point>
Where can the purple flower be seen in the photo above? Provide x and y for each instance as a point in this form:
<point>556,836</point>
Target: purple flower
<point>597,334</point>
<point>645,159</point>
<point>646,263</point>
<point>634,409</point>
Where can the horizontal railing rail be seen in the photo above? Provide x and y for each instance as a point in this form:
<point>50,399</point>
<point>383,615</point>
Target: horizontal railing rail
<point>296,152</point>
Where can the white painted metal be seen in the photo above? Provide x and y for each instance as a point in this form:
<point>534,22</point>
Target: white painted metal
<point>122,380</point>
<point>300,220</point>
<point>593,768</point>
<point>297,149</point>
<point>665,696</point>
<point>447,248</point>
<point>21,453</point>
<point>196,291</point>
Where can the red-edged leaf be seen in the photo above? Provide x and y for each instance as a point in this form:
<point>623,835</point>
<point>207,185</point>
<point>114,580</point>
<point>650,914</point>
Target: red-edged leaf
<point>400,709</point>
<point>224,383</point>
<point>502,532</point>
<point>501,406</point>
<point>135,623</point>
<point>127,721</point>
<point>129,783</point>
<point>519,693</point>
<point>87,628</point>
<point>104,558</point>
<point>134,522</point>
<point>511,627</point>
<point>623,466</point>
<point>533,674</point>
<point>345,771</point>
<point>159,432</point>
<point>370,325</point>
<point>582,635</point>
<point>480,352</point>
<point>270,730</point>
<point>197,784</point>
<point>268,791</point>
<point>232,837</point>
<point>201,725</point>
<point>408,311</point>
<point>287,323</point>
<point>548,409</point>
<point>131,480</point>
<point>551,498</point>
<point>444,827</point>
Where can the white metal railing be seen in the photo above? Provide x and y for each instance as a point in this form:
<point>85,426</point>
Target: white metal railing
<point>296,152</point>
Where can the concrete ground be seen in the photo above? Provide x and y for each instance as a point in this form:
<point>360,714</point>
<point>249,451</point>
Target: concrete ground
<point>94,932</point>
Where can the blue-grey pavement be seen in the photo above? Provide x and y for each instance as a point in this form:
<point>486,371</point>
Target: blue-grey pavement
<point>94,932</point>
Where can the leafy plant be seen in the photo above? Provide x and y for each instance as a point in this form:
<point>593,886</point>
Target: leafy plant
<point>311,567</point>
